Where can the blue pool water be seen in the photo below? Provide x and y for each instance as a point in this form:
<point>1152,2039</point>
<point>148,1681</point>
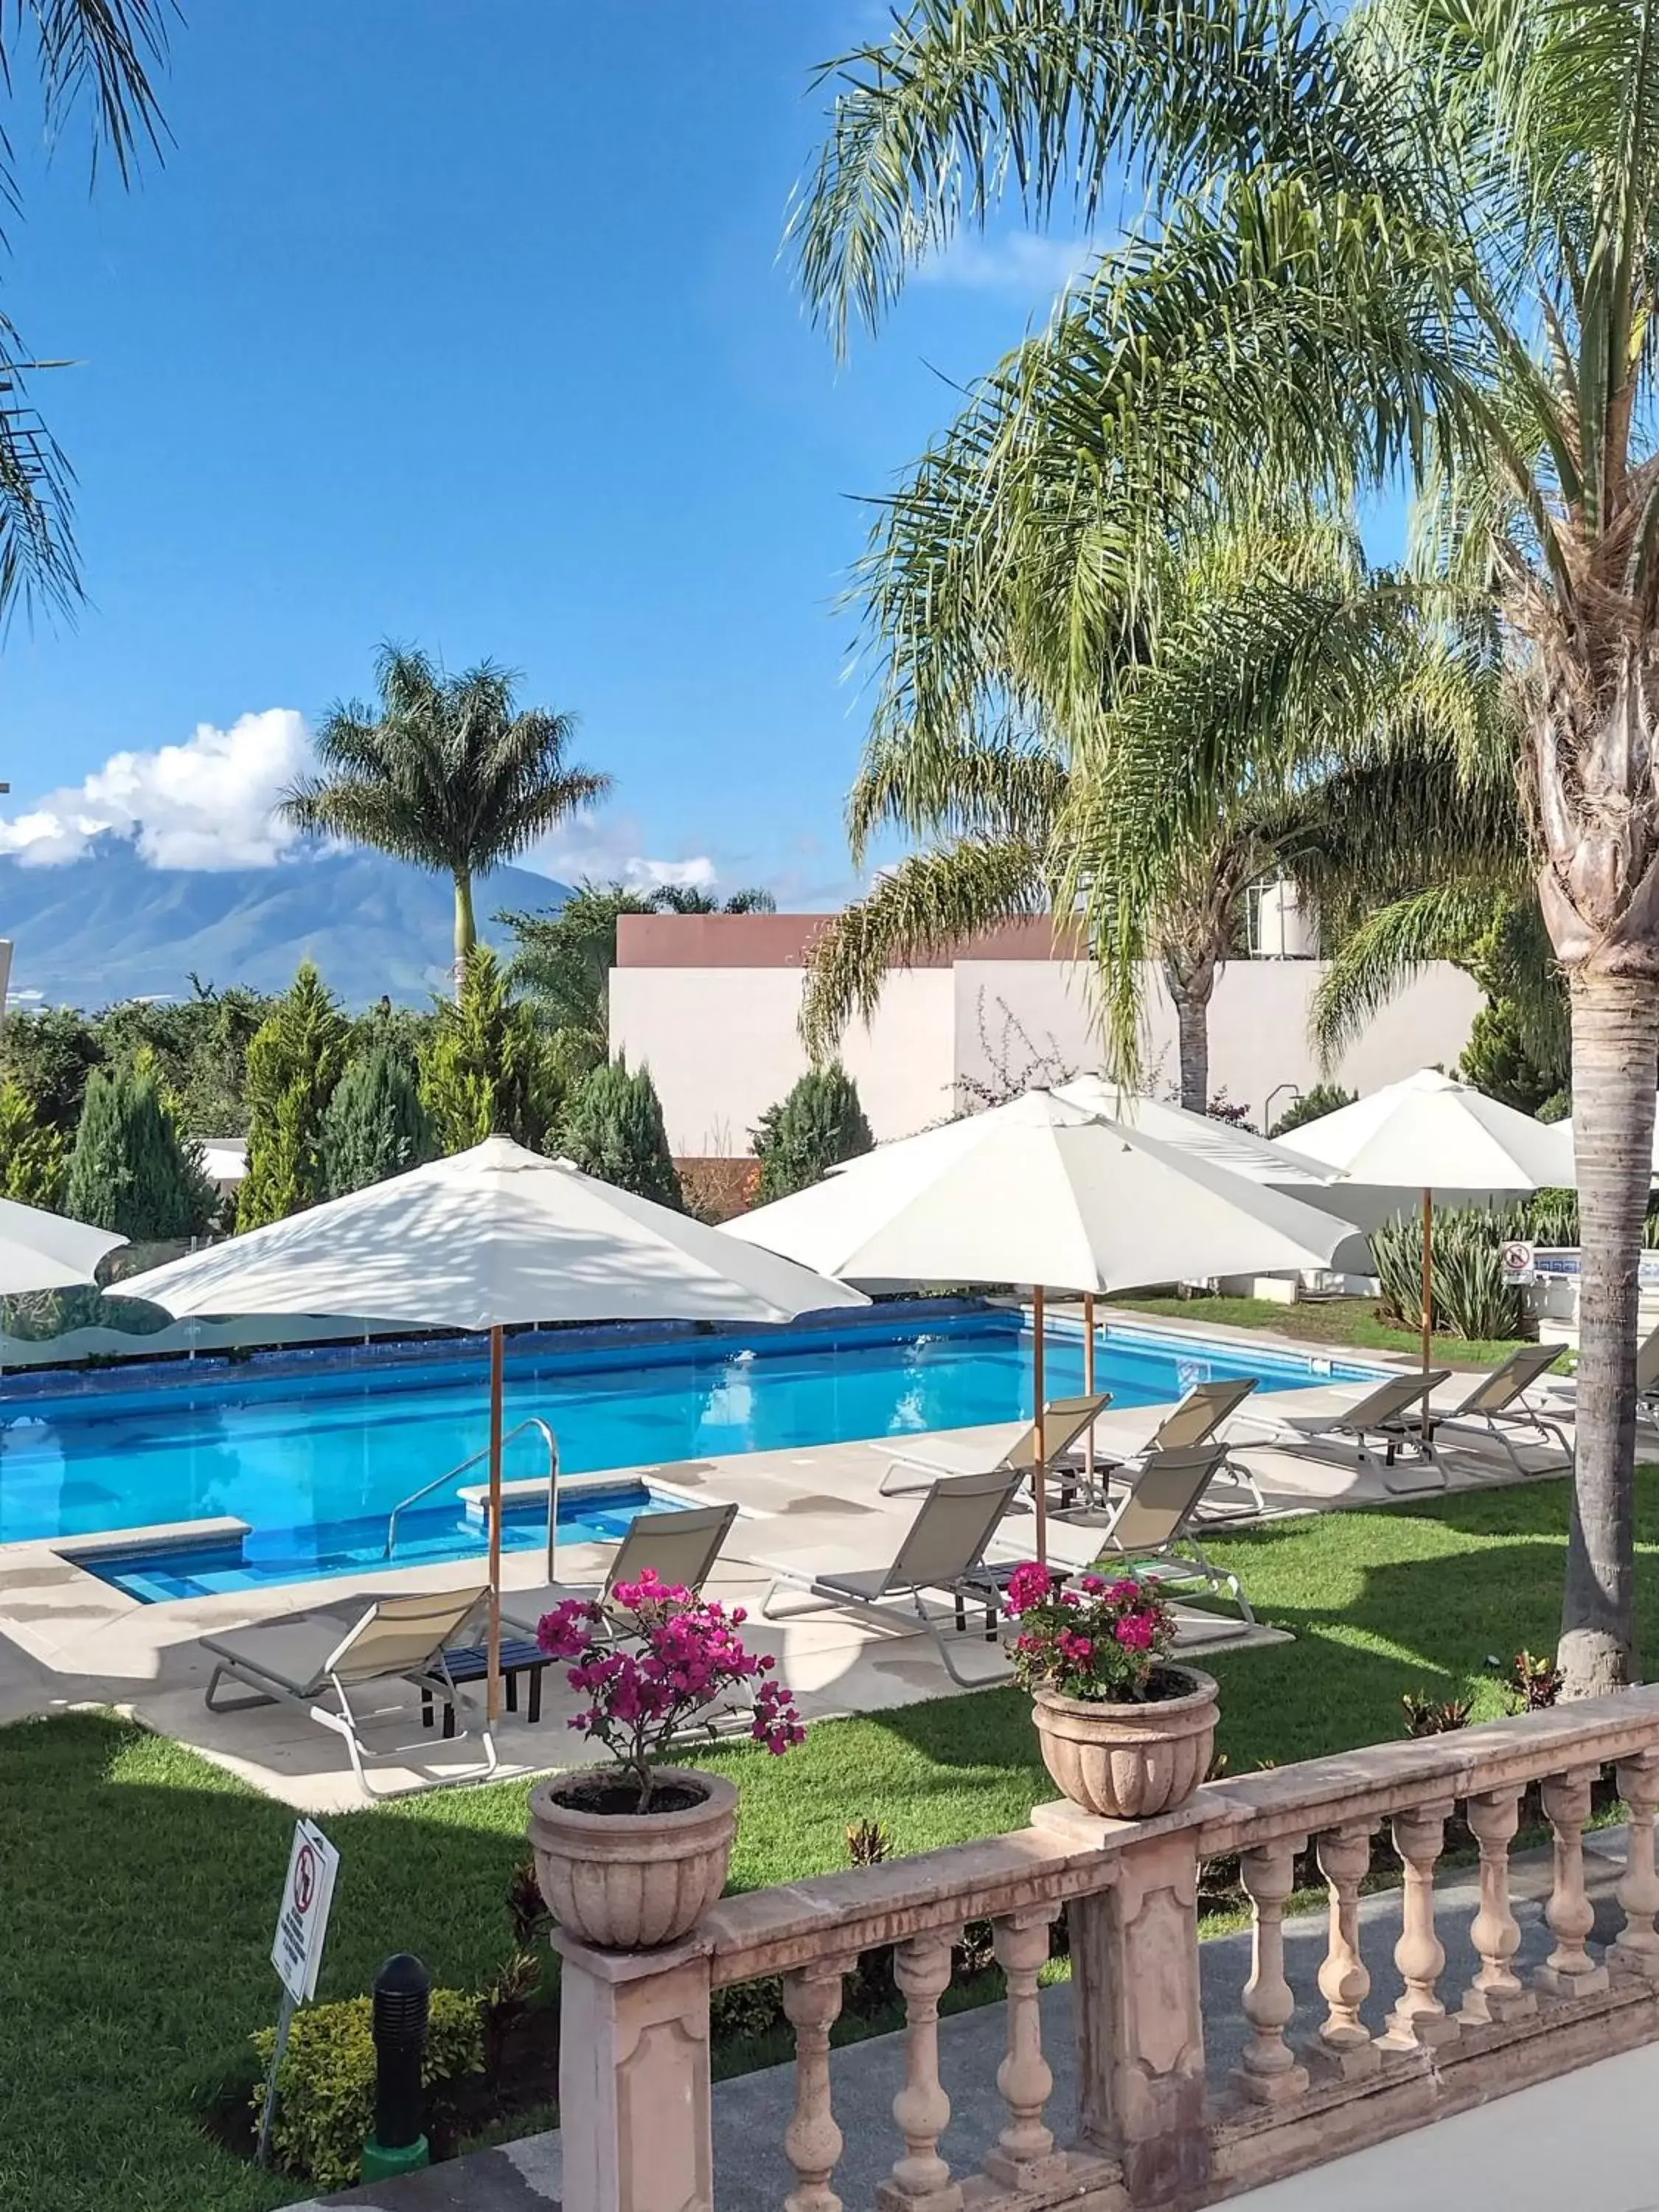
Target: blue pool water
<point>153,1572</point>
<point>310,1450</point>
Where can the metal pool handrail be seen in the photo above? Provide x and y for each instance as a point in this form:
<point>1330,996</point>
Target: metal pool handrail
<point>532,1421</point>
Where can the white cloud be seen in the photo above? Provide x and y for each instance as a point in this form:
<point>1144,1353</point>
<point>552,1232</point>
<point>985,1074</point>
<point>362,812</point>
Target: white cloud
<point>208,803</point>
<point>608,849</point>
<point>1020,261</point>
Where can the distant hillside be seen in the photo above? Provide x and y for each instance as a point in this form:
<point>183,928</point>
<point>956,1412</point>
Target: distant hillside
<point>109,928</point>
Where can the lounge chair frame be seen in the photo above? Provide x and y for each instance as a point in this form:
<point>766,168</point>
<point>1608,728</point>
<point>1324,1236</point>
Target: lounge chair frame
<point>979,1503</point>
<point>1382,1412</point>
<point>1064,1420</point>
<point>1498,1408</point>
<point>1149,1529</point>
<point>339,1676</point>
<point>699,1532</point>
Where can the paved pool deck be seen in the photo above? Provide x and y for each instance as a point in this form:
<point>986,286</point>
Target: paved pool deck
<point>68,1638</point>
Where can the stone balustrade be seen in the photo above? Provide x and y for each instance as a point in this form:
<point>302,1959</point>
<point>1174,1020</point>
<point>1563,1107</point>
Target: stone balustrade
<point>1151,2129</point>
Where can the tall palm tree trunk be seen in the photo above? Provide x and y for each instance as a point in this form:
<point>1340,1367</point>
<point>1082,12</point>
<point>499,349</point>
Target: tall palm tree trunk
<point>1190,985</point>
<point>1615,1047</point>
<point>466,928</point>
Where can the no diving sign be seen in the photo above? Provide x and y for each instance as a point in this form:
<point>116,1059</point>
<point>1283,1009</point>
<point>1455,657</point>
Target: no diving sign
<point>302,1924</point>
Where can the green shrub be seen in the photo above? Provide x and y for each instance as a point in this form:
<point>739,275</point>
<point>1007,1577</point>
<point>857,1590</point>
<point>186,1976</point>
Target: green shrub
<point>131,1171</point>
<point>818,1126</point>
<point>616,1132</point>
<point>1471,1297</point>
<point>326,2091</point>
<point>1312,1106</point>
<point>375,1125</point>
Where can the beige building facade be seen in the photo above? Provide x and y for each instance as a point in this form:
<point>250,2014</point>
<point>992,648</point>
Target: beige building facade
<point>710,1004</point>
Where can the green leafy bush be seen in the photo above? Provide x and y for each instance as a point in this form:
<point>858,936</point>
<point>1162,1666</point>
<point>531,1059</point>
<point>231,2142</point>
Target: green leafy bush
<point>131,1171</point>
<point>326,2090</point>
<point>1471,1297</point>
<point>1312,1106</point>
<point>818,1126</point>
<point>616,1132</point>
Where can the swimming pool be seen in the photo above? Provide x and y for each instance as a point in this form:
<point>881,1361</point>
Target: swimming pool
<point>315,1441</point>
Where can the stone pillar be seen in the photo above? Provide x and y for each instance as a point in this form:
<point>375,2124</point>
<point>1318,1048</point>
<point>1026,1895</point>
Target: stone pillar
<point>1140,2035</point>
<point>813,2142</point>
<point>1496,1992</point>
<point>1343,2049</point>
<point>1570,1970</point>
<point>1024,2157</point>
<point>633,2091</point>
<point>920,2180</point>
<point>1418,2022</point>
<point>1637,1949</point>
<point>1267,2073</point>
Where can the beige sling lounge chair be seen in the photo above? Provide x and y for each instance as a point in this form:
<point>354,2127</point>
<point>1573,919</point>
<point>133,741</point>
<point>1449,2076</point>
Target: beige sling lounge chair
<point>1191,1423</point>
<point>1497,1407</point>
<point>1382,1413</point>
<point>680,1549</point>
<point>1063,1419</point>
<point>313,1656</point>
<point>943,1550</point>
<point>1149,1529</point>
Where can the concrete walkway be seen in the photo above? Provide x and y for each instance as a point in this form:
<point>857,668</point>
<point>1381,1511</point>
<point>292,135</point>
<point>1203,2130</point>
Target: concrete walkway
<point>751,2113</point>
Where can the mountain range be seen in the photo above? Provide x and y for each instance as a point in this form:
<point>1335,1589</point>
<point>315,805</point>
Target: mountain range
<point>108,926</point>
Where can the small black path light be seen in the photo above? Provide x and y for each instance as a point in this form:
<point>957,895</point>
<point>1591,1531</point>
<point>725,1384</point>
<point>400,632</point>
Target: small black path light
<point>402,1996</point>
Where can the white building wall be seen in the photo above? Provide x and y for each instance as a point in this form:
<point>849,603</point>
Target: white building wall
<point>721,1043</point>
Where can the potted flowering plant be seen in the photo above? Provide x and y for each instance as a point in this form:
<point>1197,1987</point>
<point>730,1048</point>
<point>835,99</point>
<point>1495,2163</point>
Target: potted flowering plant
<point>1124,1732</point>
<point>630,1854</point>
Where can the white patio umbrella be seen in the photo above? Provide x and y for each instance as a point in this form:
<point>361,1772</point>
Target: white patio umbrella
<point>1240,1151</point>
<point>42,1251</point>
<point>486,1239</point>
<point>1040,1192</point>
<point>1432,1134</point>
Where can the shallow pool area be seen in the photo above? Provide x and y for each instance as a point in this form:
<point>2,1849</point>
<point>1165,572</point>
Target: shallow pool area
<point>313,1450</point>
<point>261,1558</point>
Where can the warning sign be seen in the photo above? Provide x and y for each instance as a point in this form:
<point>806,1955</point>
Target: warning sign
<point>1519,1262</point>
<point>302,1924</point>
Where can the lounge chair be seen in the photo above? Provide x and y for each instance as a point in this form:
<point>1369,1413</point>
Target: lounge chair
<point>1497,1407</point>
<point>943,1550</point>
<point>1148,1529</point>
<point>1384,1412</point>
<point>679,1548</point>
<point>1064,1420</point>
<point>1192,1422</point>
<point>1563,1390</point>
<point>310,1656</point>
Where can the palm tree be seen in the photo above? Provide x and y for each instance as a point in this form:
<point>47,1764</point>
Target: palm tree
<point>95,54</point>
<point>449,773</point>
<point>1389,242</point>
<point>970,748</point>
<point>688,898</point>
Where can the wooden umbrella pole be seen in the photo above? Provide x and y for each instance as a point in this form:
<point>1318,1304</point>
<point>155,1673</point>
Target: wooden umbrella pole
<point>493,1687</point>
<point>1428,1274</point>
<point>1040,1470</point>
<point>1089,1380</point>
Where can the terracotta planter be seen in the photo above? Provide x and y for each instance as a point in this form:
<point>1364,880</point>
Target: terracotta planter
<point>1129,1762</point>
<point>631,1881</point>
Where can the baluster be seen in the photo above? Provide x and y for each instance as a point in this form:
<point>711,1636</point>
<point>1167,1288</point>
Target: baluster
<point>1343,2047</point>
<point>1497,1993</point>
<point>1024,2156</point>
<point>813,2142</point>
<point>1268,2072</point>
<point>920,2180</point>
<point>1637,1950</point>
<point>1419,2020</point>
<point>1570,1970</point>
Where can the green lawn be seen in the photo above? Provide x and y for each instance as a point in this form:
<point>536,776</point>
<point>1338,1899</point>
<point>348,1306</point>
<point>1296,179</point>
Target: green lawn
<point>1328,1321</point>
<point>139,1881</point>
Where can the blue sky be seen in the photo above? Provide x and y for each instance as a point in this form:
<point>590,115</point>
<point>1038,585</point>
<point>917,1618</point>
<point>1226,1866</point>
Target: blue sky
<point>468,325</point>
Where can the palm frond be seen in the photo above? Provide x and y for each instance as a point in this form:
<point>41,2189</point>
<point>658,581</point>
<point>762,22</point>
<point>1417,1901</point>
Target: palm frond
<point>929,903</point>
